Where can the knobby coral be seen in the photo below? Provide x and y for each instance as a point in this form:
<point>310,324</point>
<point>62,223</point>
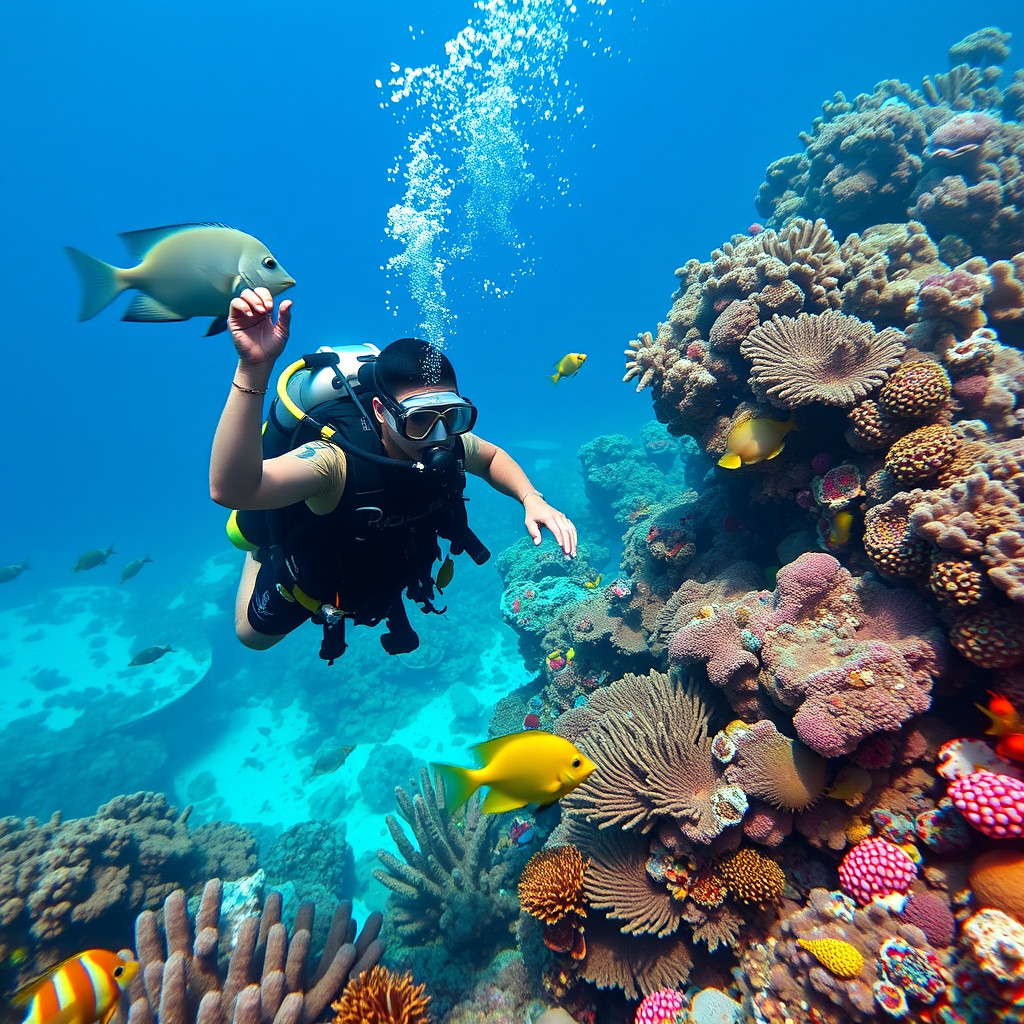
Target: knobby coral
<point>268,976</point>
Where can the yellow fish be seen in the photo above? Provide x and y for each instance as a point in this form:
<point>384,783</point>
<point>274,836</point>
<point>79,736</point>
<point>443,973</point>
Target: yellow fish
<point>184,270</point>
<point>570,654</point>
<point>850,784</point>
<point>555,654</point>
<point>80,990</point>
<point>754,440</point>
<point>595,582</point>
<point>531,767</point>
<point>445,574</point>
<point>839,533</point>
<point>568,365</point>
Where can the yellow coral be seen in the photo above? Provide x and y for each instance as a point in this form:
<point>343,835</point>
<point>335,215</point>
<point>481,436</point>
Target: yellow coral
<point>857,831</point>
<point>835,955</point>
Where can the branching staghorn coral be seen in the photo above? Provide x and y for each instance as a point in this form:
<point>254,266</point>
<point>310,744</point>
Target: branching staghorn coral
<point>269,976</point>
<point>449,886</point>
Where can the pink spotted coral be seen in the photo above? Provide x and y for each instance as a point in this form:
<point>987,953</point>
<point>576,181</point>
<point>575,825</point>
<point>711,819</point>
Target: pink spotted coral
<point>665,1006</point>
<point>993,804</point>
<point>875,867</point>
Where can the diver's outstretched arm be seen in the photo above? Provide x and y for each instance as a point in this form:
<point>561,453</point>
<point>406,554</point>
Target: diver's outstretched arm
<point>504,474</point>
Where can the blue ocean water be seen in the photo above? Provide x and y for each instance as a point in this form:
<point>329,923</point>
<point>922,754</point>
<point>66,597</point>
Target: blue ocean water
<point>577,187</point>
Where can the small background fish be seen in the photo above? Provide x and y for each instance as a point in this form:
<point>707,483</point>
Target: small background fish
<point>568,365</point>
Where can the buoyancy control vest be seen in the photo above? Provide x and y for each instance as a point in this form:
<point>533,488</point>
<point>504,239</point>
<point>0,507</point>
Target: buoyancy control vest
<point>382,538</point>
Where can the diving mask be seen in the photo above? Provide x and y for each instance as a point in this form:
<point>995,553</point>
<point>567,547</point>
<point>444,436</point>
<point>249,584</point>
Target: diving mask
<point>432,417</point>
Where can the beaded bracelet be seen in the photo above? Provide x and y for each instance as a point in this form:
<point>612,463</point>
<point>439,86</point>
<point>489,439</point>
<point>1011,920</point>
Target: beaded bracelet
<point>249,391</point>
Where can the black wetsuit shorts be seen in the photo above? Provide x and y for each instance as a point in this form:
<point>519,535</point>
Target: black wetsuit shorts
<point>270,613</point>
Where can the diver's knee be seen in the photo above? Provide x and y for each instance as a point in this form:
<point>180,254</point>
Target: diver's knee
<point>248,637</point>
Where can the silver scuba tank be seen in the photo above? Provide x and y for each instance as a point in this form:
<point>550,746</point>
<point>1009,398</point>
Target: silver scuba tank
<point>310,388</point>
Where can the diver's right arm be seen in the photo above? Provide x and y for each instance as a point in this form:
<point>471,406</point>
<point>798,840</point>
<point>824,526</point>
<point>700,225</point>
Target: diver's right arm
<point>239,478</point>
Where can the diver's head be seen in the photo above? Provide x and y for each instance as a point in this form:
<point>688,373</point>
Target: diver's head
<point>419,406</point>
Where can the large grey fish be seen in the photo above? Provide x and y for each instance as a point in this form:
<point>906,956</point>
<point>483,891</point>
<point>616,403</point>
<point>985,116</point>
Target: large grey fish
<point>184,270</point>
<point>12,572</point>
<point>91,559</point>
<point>150,654</point>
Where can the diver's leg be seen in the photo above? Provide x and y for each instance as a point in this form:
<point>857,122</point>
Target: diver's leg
<point>250,637</point>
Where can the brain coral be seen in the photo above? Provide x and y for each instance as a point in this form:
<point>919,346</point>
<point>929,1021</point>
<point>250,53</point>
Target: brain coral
<point>922,453</point>
<point>915,389</point>
<point>828,358</point>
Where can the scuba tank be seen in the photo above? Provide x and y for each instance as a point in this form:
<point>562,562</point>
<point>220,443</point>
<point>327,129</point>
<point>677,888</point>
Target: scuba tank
<point>312,387</point>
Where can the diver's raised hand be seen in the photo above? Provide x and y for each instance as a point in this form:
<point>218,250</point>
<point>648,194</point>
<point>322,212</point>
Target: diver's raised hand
<point>539,513</point>
<point>257,338</point>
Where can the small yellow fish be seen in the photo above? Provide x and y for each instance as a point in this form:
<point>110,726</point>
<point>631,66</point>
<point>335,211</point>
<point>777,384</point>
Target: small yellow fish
<point>184,270</point>
<point>568,365</point>
<point>531,767</point>
<point>80,990</point>
<point>850,784</point>
<point>554,654</point>
<point>595,582</point>
<point>445,574</point>
<point>755,440</point>
<point>570,654</point>
<point>18,956</point>
<point>839,534</point>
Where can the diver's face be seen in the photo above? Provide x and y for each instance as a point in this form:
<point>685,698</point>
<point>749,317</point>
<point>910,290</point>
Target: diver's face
<point>395,444</point>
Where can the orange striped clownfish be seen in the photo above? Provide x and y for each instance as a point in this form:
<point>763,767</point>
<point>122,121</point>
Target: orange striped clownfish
<point>83,989</point>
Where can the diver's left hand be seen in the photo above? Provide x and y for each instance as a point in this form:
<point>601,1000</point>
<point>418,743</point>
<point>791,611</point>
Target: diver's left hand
<point>539,513</point>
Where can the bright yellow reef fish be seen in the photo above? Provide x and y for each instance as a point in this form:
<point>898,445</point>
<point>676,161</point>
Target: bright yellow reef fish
<point>83,989</point>
<point>568,365</point>
<point>595,582</point>
<point>531,767</point>
<point>755,440</point>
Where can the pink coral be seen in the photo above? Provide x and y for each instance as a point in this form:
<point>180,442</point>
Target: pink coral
<point>993,804</point>
<point>875,867</point>
<point>665,1006</point>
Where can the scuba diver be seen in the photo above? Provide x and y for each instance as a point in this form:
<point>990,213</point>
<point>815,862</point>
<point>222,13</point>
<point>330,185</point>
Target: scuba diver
<point>340,505</point>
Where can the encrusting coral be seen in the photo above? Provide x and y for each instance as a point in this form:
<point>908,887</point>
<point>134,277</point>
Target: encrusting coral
<point>268,976</point>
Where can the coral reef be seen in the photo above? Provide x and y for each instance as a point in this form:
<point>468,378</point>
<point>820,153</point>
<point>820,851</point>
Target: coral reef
<point>380,997</point>
<point>83,881</point>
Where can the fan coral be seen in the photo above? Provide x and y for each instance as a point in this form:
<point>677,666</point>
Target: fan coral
<point>922,453</point>
<point>993,804</point>
<point>875,867</point>
<point>915,389</point>
<point>828,357</point>
<point>781,771</point>
<point>837,955</point>
<point>551,884</point>
<point>380,997</point>
<point>752,877</point>
<point>620,883</point>
<point>652,743</point>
